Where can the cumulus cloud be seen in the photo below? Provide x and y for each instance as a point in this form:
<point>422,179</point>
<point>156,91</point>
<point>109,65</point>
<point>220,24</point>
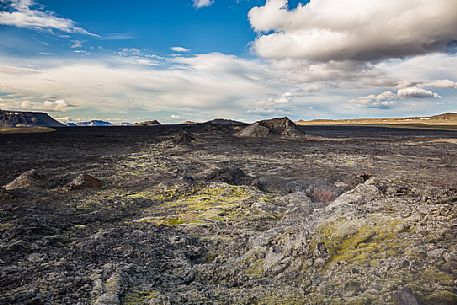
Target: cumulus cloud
<point>22,14</point>
<point>326,30</point>
<point>384,100</point>
<point>202,3</point>
<point>389,99</point>
<point>417,92</point>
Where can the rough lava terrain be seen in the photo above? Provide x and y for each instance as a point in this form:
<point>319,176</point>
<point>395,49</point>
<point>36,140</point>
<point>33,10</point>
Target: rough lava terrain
<point>228,214</point>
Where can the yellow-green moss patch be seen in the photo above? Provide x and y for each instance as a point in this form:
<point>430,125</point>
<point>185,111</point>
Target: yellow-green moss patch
<point>360,241</point>
<point>140,297</point>
<point>218,202</point>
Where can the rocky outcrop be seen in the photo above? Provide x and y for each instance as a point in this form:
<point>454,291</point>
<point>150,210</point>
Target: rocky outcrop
<point>148,123</point>
<point>274,128</point>
<point>28,180</point>
<point>84,181</point>
<point>27,119</point>
<point>231,175</point>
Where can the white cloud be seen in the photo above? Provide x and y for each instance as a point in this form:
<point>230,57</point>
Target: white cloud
<point>202,3</point>
<point>417,92</point>
<point>174,116</point>
<point>27,105</point>
<point>326,30</point>
<point>206,83</point>
<point>384,100</point>
<point>445,84</point>
<point>389,99</point>
<point>180,49</point>
<point>22,15</point>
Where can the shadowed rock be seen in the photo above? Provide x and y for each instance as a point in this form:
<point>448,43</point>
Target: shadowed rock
<point>277,128</point>
<point>28,180</point>
<point>84,181</point>
<point>183,137</point>
<point>405,297</point>
<point>230,175</point>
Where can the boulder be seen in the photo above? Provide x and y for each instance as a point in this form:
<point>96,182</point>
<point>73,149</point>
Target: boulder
<point>28,180</point>
<point>231,175</point>
<point>405,297</point>
<point>84,181</point>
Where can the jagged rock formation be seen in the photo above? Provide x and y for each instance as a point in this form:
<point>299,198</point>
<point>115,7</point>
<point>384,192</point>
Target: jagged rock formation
<point>278,127</point>
<point>27,119</point>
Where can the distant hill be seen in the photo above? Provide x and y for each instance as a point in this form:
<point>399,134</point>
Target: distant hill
<point>224,122</point>
<point>440,119</point>
<point>148,123</point>
<point>445,116</point>
<point>27,119</point>
<point>93,123</point>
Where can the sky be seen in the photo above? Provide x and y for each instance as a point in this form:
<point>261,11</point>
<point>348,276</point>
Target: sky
<point>182,60</point>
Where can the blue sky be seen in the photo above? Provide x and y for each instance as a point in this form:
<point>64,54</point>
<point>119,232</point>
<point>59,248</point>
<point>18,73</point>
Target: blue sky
<point>245,59</point>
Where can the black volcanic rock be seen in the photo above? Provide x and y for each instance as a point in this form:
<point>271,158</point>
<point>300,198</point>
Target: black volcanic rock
<point>224,122</point>
<point>148,123</point>
<point>27,119</point>
<point>230,175</point>
<point>183,137</point>
<point>275,128</point>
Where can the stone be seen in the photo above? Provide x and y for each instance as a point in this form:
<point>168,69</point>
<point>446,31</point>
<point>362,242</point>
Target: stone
<point>27,180</point>
<point>405,297</point>
<point>84,181</point>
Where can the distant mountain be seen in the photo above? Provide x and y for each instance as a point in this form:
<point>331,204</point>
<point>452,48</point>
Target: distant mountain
<point>27,119</point>
<point>94,123</point>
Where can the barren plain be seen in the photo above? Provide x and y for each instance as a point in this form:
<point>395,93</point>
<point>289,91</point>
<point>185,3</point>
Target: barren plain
<point>196,215</point>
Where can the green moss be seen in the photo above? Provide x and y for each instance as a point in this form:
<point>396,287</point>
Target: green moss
<point>154,195</point>
<point>433,275</point>
<point>140,297</point>
<point>360,243</point>
<point>256,268</point>
<point>210,204</point>
<point>440,298</point>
